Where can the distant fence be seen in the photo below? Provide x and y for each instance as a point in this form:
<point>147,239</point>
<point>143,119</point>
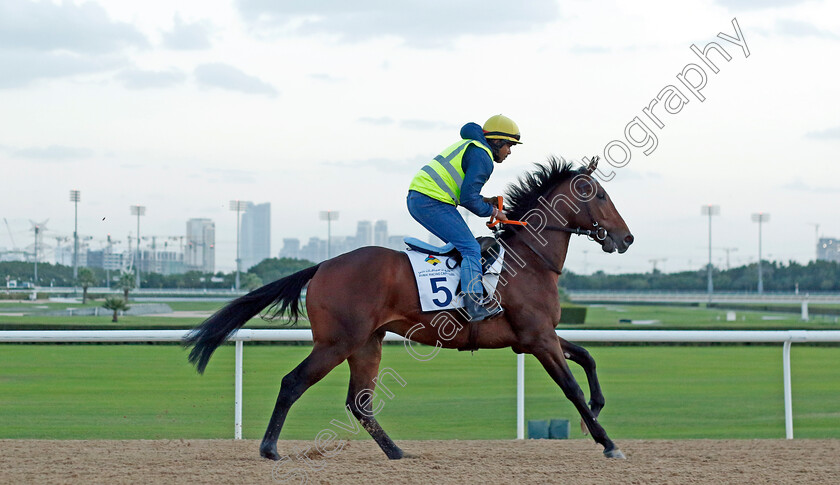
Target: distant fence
<point>785,337</point>
<point>587,296</point>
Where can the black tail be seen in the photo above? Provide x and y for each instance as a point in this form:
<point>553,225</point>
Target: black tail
<point>283,293</point>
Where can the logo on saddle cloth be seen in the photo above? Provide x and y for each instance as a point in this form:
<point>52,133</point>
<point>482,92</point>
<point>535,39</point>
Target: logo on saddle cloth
<point>431,259</point>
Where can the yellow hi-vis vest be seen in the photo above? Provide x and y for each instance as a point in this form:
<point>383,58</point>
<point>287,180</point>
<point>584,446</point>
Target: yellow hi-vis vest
<point>441,179</point>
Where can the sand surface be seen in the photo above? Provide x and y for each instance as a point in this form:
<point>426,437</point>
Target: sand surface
<point>436,462</point>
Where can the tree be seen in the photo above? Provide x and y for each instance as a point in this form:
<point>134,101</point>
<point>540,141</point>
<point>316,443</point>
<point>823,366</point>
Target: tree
<point>116,304</point>
<point>86,280</point>
<point>126,283</point>
<point>250,281</point>
<point>272,269</point>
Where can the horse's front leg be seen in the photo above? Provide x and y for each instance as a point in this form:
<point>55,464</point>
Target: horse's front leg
<point>580,356</point>
<point>550,355</point>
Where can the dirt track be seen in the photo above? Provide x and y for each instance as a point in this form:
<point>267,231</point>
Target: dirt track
<point>439,462</point>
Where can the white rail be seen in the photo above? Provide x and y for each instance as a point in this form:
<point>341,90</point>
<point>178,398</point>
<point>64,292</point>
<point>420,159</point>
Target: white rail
<point>785,337</point>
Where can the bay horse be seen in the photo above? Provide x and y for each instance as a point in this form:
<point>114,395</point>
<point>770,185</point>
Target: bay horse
<point>555,200</point>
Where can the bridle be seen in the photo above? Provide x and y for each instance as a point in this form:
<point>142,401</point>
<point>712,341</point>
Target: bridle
<point>599,233</point>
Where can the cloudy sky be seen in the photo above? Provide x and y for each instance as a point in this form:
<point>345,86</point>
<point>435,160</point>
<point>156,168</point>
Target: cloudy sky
<point>183,106</point>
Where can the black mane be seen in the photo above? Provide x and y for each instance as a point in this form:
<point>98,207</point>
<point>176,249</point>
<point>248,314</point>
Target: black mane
<point>523,196</point>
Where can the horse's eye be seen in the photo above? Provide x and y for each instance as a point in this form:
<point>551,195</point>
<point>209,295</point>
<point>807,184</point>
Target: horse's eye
<point>602,195</point>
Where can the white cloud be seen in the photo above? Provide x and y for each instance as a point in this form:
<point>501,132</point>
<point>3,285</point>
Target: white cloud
<point>139,79</point>
<point>22,68</point>
<point>427,125</point>
<point>800,186</point>
<point>431,23</point>
<point>380,121</point>
<point>46,40</point>
<point>187,36</point>
<point>45,26</point>
<point>225,76</point>
<point>827,134</point>
<point>52,153</point>
<point>796,28</point>
<point>757,4</point>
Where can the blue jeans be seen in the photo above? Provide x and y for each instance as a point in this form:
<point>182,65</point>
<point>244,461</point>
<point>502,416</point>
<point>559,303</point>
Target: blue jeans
<point>444,221</point>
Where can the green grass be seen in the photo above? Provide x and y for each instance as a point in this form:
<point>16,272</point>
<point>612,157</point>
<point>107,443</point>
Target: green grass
<point>150,392</point>
<point>598,317</point>
<point>686,318</point>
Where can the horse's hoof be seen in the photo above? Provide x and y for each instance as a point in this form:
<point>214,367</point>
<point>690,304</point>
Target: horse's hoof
<point>396,454</point>
<point>615,453</point>
<point>270,452</point>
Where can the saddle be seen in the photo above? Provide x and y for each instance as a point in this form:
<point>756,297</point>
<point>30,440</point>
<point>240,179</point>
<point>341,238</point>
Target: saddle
<point>489,250</point>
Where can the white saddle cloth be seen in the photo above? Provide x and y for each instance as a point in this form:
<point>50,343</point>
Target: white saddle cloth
<point>437,279</point>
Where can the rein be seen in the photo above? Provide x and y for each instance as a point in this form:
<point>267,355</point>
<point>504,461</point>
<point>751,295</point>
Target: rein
<point>595,234</point>
<point>599,233</point>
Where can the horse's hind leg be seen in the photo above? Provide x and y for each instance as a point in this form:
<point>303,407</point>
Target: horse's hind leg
<point>551,357</point>
<point>580,356</point>
<point>314,367</point>
<point>364,367</point>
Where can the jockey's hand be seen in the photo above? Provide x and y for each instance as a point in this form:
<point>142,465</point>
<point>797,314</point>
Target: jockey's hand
<point>494,201</point>
<point>499,215</point>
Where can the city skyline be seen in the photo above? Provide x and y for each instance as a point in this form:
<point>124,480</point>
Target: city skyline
<point>337,105</point>
<point>188,251</point>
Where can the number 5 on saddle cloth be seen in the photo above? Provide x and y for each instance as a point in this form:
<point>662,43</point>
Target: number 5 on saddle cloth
<point>437,271</point>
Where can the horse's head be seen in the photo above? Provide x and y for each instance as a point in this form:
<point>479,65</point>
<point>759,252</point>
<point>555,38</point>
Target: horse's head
<point>599,212</point>
<point>556,197</point>
<point>592,210</point>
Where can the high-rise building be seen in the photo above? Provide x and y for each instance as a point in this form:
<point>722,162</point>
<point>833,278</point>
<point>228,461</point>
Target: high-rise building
<point>315,250</point>
<point>396,243</point>
<point>201,245</point>
<point>255,240</point>
<point>291,248</point>
<point>364,234</point>
<point>380,233</point>
<point>828,249</point>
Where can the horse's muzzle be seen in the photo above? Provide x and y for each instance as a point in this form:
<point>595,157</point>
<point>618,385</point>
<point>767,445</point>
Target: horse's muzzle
<point>617,243</point>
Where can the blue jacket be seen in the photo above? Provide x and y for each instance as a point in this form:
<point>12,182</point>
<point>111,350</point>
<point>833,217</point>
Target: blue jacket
<point>477,167</point>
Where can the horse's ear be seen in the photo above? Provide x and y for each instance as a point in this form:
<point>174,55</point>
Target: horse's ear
<point>593,164</point>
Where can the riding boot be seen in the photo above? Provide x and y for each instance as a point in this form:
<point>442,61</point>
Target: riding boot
<point>480,309</point>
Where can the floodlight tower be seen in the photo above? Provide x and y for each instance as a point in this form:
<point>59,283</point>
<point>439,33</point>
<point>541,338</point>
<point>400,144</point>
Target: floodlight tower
<point>238,206</point>
<point>75,197</point>
<point>817,238</point>
<point>138,210</point>
<point>760,217</point>
<point>37,229</point>
<point>329,216</point>
<point>710,210</point>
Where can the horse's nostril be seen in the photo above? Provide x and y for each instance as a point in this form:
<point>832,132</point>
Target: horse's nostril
<point>629,239</point>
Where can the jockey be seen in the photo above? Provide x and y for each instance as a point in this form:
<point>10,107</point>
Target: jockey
<point>453,178</point>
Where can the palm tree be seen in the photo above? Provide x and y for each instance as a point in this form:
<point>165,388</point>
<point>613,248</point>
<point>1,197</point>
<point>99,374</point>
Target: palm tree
<point>116,304</point>
<point>126,283</point>
<point>85,279</point>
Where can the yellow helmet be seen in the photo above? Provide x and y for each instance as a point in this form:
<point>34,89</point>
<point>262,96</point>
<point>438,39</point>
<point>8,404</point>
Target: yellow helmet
<point>500,127</point>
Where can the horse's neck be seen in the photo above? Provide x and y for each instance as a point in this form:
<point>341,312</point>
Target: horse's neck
<point>549,256</point>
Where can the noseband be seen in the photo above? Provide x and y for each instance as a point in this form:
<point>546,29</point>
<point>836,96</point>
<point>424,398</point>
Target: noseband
<point>599,233</point>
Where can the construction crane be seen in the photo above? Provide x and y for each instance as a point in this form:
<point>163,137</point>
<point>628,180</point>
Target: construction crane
<point>728,250</point>
<point>654,261</point>
<point>12,237</point>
